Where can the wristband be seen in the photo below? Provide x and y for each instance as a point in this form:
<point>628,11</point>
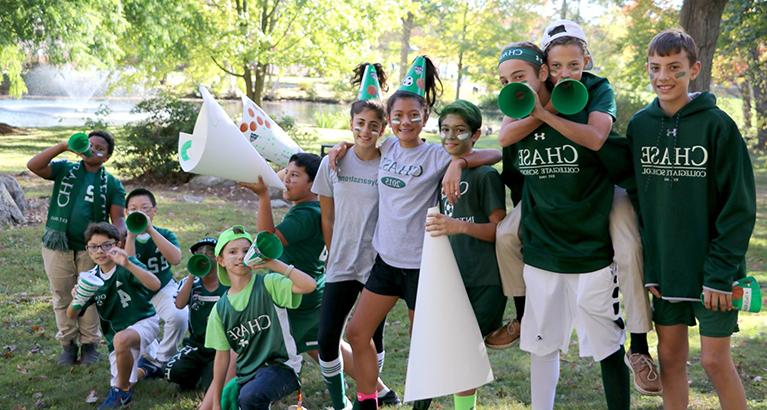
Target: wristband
<point>289,271</point>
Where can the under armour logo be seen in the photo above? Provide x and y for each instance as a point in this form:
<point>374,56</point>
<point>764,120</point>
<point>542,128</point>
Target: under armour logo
<point>540,136</point>
<point>671,132</point>
<point>540,338</point>
<point>243,342</point>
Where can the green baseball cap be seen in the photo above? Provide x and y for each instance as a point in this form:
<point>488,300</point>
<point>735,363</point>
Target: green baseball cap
<point>370,88</point>
<point>235,232</point>
<point>415,80</point>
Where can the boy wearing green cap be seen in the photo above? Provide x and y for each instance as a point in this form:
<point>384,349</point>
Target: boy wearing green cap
<point>83,192</point>
<point>128,320</point>
<point>568,269</point>
<point>250,319</point>
<point>301,234</point>
<point>158,249</point>
<point>471,224</point>
<point>192,366</point>
<point>695,185</point>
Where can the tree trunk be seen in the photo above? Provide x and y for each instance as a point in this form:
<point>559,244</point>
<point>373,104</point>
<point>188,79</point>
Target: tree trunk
<point>563,10</point>
<point>701,19</point>
<point>758,79</point>
<point>461,49</point>
<point>258,87</point>
<point>404,50</point>
<point>745,94</point>
<point>249,89</point>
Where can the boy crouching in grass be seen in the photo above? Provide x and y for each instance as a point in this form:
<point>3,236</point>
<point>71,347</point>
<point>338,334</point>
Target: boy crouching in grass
<point>250,320</point>
<point>128,320</point>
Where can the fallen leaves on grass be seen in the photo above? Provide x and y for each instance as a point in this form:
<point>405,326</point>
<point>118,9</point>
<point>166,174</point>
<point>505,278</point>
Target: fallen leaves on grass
<point>8,351</point>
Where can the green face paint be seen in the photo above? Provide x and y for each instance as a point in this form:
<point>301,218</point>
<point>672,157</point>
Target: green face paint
<point>680,74</point>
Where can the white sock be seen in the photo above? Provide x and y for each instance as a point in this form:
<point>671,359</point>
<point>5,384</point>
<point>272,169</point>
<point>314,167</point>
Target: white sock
<point>383,392</point>
<point>544,375</point>
<point>381,356</point>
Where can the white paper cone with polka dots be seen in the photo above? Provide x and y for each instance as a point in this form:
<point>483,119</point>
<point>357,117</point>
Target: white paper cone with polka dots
<point>266,136</point>
<point>216,148</point>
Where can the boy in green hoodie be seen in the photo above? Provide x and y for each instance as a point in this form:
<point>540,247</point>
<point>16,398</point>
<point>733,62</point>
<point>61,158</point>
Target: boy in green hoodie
<point>685,150</point>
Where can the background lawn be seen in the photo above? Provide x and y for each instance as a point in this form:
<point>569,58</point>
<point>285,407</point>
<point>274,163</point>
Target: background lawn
<point>29,377</point>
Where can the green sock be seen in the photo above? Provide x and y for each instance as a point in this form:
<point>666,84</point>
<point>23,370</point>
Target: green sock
<point>337,390</point>
<point>615,379</point>
<point>465,402</point>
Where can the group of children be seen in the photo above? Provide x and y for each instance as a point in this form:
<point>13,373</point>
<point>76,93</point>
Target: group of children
<point>564,253</point>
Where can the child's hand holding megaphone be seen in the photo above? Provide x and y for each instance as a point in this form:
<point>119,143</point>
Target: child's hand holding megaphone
<point>118,256</point>
<point>259,188</point>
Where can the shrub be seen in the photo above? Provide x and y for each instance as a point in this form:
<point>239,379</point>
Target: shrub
<point>151,145</point>
<point>628,104</point>
<point>100,122</point>
<point>306,138</point>
<point>329,119</point>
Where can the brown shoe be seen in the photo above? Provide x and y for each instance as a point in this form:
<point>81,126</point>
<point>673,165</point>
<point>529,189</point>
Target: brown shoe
<point>646,376</point>
<point>503,337</point>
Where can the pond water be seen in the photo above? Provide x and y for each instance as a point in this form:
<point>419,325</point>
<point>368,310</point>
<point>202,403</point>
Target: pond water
<point>53,112</point>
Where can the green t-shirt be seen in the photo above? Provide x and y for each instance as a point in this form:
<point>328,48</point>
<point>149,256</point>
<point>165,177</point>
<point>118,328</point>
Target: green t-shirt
<point>121,301</point>
<point>82,194</point>
<point>149,255</point>
<point>248,323</point>
<point>567,194</point>
<point>481,193</point>
<point>302,229</point>
<point>200,303</point>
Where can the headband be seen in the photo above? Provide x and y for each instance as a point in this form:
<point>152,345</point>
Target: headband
<point>519,53</point>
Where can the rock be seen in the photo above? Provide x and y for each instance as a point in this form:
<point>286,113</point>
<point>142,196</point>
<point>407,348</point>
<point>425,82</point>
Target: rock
<point>275,193</point>
<point>12,202</point>
<point>207,181</point>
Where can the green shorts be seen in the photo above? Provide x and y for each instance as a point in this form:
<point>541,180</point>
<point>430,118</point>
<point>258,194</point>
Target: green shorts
<point>712,324</point>
<point>488,303</point>
<point>304,327</point>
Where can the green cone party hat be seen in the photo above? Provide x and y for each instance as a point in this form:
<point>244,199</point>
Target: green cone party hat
<point>415,80</point>
<point>370,88</point>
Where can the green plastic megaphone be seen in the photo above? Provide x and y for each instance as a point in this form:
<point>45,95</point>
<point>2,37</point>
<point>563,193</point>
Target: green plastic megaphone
<point>516,100</point>
<point>199,265</point>
<point>746,295</point>
<point>137,222</point>
<point>569,96</point>
<point>266,246</point>
<point>80,143</point>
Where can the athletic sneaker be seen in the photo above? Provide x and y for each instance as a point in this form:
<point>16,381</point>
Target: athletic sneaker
<point>150,369</point>
<point>646,376</point>
<point>422,404</point>
<point>504,337</point>
<point>116,399</point>
<point>389,399</point>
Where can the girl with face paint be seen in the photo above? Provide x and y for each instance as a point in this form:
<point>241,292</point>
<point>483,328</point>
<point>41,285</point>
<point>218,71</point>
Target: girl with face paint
<point>349,205</point>
<point>471,224</point>
<point>408,184</point>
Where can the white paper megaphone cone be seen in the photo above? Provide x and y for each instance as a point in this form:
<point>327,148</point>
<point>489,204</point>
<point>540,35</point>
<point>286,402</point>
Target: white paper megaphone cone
<point>265,135</point>
<point>216,148</point>
<point>447,353</point>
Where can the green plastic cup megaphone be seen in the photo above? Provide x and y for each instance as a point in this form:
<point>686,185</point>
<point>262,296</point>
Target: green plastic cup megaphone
<point>80,144</point>
<point>137,222</point>
<point>199,265</point>
<point>569,96</point>
<point>266,246</point>
<point>746,295</point>
<point>516,100</point>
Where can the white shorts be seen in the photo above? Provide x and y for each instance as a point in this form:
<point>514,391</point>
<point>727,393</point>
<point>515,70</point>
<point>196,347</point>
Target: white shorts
<point>557,302</point>
<point>147,329</point>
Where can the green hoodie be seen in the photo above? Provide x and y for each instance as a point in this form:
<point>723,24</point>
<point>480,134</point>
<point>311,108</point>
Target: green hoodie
<point>697,200</point>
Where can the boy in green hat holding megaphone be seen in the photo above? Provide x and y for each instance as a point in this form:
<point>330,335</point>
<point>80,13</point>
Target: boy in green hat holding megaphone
<point>250,320</point>
<point>158,249</point>
<point>192,366</point>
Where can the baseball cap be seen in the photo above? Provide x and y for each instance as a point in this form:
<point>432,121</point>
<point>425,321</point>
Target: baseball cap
<point>208,240</point>
<point>235,232</point>
<point>565,28</point>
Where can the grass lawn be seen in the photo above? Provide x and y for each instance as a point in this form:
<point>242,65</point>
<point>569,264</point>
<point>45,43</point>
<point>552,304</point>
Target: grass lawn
<point>29,377</point>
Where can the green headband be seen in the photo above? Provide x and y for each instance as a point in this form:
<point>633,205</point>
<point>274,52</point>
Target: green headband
<point>519,53</point>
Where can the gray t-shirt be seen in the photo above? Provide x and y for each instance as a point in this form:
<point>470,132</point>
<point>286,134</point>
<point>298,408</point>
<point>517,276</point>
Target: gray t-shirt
<point>354,190</point>
<point>408,185</point>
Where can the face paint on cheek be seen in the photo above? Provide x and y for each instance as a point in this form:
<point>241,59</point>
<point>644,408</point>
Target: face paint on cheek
<point>396,121</point>
<point>651,75</point>
<point>463,136</point>
<point>357,129</point>
<point>680,74</point>
<point>416,119</point>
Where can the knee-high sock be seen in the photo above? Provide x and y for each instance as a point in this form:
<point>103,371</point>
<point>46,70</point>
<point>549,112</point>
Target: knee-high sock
<point>465,402</point>
<point>332,373</point>
<point>544,375</point>
<point>615,379</point>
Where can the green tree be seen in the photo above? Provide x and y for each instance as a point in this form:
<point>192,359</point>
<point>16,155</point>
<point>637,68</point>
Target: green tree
<point>82,33</point>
